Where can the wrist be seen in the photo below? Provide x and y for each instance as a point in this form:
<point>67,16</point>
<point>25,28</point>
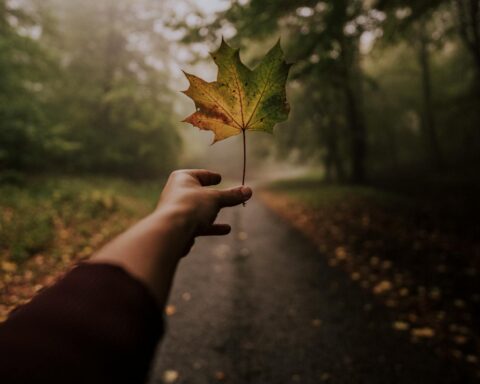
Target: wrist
<point>174,219</point>
<point>175,226</point>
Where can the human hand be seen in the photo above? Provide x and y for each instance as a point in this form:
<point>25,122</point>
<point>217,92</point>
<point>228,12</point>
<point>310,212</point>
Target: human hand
<point>185,198</point>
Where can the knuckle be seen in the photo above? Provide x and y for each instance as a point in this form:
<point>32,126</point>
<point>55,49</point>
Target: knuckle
<point>217,195</point>
<point>176,173</point>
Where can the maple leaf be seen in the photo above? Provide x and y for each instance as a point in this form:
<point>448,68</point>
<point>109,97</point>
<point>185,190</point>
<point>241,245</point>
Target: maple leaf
<point>241,99</point>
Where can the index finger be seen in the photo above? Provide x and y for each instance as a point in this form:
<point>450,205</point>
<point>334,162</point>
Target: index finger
<point>205,177</point>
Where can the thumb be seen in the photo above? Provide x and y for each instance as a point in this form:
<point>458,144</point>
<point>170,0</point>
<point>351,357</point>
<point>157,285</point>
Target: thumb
<point>234,196</point>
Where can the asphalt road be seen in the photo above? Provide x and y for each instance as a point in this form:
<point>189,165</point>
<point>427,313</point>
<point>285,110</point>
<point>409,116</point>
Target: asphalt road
<point>262,306</point>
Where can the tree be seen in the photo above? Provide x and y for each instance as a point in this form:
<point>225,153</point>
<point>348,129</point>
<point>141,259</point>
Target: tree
<point>116,105</point>
<point>467,13</point>
<point>428,115</point>
<point>24,70</point>
<point>469,24</point>
<point>407,20</point>
<point>324,40</point>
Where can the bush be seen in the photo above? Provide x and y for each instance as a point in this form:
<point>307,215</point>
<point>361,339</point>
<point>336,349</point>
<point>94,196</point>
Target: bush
<point>12,178</point>
<point>25,226</point>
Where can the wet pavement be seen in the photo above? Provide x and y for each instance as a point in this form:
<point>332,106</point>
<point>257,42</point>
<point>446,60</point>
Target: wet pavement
<point>263,306</point>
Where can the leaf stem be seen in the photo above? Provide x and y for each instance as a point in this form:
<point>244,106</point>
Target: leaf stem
<point>244,156</point>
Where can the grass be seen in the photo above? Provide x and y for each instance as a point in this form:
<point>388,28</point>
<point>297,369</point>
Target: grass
<point>34,214</point>
<point>315,193</point>
<point>47,224</point>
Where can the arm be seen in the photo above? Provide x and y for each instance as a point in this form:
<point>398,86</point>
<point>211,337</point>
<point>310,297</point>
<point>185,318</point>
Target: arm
<point>101,323</point>
<point>151,250</point>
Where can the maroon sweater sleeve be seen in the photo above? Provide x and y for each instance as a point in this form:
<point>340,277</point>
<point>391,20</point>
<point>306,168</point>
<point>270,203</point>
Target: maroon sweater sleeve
<point>96,325</point>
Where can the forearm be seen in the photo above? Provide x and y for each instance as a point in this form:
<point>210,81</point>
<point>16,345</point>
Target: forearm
<point>150,250</point>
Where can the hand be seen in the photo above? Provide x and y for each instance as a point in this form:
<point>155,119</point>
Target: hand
<point>151,249</point>
<point>185,194</point>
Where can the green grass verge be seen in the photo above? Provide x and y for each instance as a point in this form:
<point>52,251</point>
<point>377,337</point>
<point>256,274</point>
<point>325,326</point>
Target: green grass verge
<point>32,212</point>
<point>315,193</point>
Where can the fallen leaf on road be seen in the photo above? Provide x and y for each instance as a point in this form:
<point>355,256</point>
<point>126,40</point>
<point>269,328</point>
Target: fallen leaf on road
<point>355,276</point>
<point>472,359</point>
<point>221,251</point>
<point>382,287</point>
<point>316,323</point>
<point>374,261</point>
<point>170,376</point>
<point>424,332</point>
<point>387,264</point>
<point>170,310</point>
<point>460,339</point>
<point>340,253</point>
<point>401,326</point>
<point>242,235</point>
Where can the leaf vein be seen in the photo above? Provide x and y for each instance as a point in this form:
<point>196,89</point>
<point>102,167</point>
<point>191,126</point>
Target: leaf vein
<point>212,98</point>
<point>261,95</point>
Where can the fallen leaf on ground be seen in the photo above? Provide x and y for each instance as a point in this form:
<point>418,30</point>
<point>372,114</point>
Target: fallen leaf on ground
<point>220,376</point>
<point>170,376</point>
<point>170,310</point>
<point>316,323</point>
<point>382,287</point>
<point>401,326</point>
<point>424,332</point>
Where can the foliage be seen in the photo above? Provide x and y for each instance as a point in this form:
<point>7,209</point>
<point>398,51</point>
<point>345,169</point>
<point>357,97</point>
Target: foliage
<point>102,105</point>
<point>44,205</point>
<point>373,91</point>
<point>25,67</point>
<point>241,99</point>
<point>48,224</point>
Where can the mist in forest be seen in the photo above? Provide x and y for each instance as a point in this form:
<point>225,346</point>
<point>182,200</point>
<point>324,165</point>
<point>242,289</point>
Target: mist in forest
<point>378,88</point>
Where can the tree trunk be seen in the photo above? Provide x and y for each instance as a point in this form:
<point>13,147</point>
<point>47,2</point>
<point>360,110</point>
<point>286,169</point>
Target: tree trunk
<point>468,12</point>
<point>358,139</point>
<point>333,157</point>
<point>353,108</point>
<point>428,120</point>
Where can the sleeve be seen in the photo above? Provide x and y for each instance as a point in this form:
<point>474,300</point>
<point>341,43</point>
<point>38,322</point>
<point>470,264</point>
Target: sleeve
<point>96,325</point>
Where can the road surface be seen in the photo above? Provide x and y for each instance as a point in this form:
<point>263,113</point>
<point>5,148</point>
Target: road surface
<point>262,306</point>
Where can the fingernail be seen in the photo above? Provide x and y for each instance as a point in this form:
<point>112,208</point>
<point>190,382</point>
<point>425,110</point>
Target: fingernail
<point>246,192</point>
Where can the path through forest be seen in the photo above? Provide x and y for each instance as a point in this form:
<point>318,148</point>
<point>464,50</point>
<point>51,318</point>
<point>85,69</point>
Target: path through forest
<point>262,306</point>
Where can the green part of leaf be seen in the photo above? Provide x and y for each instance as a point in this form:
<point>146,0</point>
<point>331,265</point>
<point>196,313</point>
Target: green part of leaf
<point>240,98</point>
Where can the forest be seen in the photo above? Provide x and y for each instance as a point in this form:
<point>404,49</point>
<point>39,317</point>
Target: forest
<point>377,167</point>
<point>379,88</point>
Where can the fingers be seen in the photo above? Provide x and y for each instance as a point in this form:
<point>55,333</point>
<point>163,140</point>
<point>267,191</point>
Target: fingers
<point>234,196</point>
<point>205,177</point>
<point>217,230</point>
